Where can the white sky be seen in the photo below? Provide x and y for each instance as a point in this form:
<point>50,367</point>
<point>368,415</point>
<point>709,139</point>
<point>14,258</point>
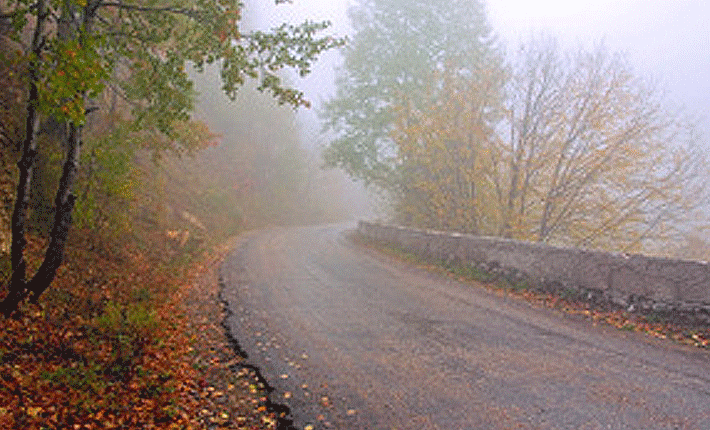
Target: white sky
<point>549,10</point>
<point>667,40</point>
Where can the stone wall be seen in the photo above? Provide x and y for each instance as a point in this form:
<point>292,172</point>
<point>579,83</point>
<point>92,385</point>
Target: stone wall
<point>623,279</point>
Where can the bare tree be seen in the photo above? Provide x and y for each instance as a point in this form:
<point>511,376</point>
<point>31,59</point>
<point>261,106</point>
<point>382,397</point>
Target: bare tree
<point>581,152</point>
<point>594,157</point>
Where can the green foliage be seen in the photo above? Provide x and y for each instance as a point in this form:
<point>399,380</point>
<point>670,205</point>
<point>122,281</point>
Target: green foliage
<point>90,380</point>
<point>569,293</point>
<point>516,285</point>
<point>128,329</point>
<point>398,45</point>
<point>135,321</point>
<point>204,32</point>
<point>78,378</point>
<point>85,55</point>
<point>470,271</point>
<point>142,295</point>
<point>108,181</point>
<point>142,51</point>
<point>628,327</point>
<point>71,71</point>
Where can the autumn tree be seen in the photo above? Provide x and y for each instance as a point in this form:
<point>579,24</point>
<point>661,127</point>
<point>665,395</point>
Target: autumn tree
<point>581,152</point>
<point>443,151</point>
<point>397,46</point>
<point>621,169</point>
<point>76,50</point>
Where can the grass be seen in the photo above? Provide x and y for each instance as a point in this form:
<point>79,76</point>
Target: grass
<point>471,272</point>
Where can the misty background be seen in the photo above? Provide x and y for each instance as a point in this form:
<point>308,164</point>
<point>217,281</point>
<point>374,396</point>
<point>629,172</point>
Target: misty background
<point>667,42</point>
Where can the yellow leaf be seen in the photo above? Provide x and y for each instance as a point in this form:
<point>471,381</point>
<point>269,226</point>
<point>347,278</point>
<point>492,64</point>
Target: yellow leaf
<point>33,412</point>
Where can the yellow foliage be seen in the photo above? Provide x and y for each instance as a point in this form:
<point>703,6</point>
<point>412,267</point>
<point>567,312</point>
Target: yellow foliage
<point>579,153</point>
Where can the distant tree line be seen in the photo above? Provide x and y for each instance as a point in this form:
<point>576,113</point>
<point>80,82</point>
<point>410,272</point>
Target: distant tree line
<point>567,148</point>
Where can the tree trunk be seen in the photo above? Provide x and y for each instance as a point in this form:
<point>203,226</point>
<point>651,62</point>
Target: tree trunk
<point>17,289</point>
<point>64,203</point>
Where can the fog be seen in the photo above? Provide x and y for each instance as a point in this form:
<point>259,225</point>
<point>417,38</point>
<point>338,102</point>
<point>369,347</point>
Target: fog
<point>666,41</point>
<point>263,163</point>
<point>322,195</point>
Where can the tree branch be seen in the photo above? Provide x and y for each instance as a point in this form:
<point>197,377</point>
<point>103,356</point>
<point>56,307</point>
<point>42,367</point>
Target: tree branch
<point>9,15</point>
<point>195,14</point>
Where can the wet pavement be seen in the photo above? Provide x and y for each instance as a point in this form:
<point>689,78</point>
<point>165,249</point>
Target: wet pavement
<point>351,339</point>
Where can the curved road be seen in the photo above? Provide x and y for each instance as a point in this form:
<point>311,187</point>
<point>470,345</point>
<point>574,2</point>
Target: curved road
<point>354,340</point>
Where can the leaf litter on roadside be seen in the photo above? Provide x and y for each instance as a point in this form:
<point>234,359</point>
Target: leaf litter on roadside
<point>122,341</point>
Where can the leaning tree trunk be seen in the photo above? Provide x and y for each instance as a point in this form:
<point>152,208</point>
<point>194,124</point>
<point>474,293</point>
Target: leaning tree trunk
<point>64,205</point>
<point>17,289</point>
<point>20,288</point>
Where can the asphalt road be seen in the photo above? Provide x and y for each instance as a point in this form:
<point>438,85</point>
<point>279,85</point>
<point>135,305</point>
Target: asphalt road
<point>350,339</point>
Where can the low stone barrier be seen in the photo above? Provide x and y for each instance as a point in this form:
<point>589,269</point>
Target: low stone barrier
<point>632,281</point>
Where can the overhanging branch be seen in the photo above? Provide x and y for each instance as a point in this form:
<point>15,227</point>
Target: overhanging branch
<point>191,13</point>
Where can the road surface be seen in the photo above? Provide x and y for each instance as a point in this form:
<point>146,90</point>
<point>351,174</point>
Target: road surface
<point>352,339</point>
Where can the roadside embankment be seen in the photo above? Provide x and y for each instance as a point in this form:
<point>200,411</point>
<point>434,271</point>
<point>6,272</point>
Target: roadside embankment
<point>635,282</point>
